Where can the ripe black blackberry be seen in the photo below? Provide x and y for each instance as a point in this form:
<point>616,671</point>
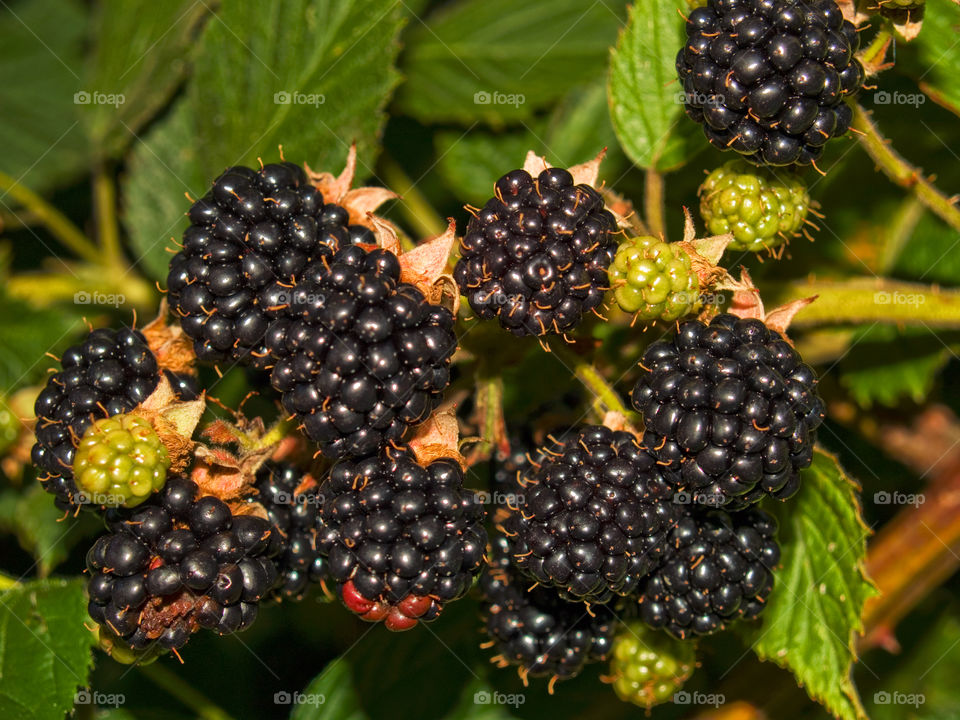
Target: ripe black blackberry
<point>401,539</point>
<point>185,386</point>
<point>768,78</point>
<point>718,569</point>
<point>110,372</point>
<point>732,408</point>
<point>594,516</point>
<point>361,355</point>
<point>250,238</point>
<point>536,630</point>
<point>536,256</point>
<point>292,502</point>
<point>178,564</point>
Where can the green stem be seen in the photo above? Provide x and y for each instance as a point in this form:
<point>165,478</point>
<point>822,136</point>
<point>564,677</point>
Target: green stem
<point>901,228</point>
<point>8,583</point>
<point>900,171</point>
<point>17,220</point>
<point>865,300</point>
<point>606,398</point>
<point>55,221</point>
<point>654,201</point>
<point>414,204</point>
<point>105,203</point>
<point>876,48</point>
<point>172,683</point>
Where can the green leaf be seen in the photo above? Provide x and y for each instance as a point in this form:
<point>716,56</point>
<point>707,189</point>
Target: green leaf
<point>814,612</point>
<point>40,526</point>
<point>886,365</point>
<point>28,333</point>
<point>646,100</point>
<point>330,696</point>
<point>40,43</point>
<point>937,50</point>
<point>930,255</point>
<point>500,60</point>
<point>140,57</point>
<point>574,132</point>
<point>44,648</point>
<point>258,85</point>
<point>924,686</point>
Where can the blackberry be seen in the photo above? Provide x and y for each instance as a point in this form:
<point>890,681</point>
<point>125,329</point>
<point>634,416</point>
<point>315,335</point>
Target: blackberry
<point>648,668</point>
<point>110,372</point>
<point>401,539</point>
<point>594,517</point>
<point>536,630</point>
<point>249,240</point>
<point>179,563</point>
<point>731,408</point>
<point>536,256</point>
<point>768,78</point>
<point>185,386</point>
<point>762,210</point>
<point>292,501</point>
<point>718,569</point>
<point>654,280</point>
<point>120,461</point>
<point>362,355</point>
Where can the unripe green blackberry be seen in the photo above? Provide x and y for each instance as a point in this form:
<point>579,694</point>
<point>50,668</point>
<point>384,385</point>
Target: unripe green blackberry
<point>762,210</point>
<point>120,461</point>
<point>654,279</point>
<point>895,5</point>
<point>648,668</point>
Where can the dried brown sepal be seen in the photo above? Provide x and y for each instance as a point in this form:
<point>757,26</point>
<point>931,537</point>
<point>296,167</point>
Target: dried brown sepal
<point>618,422</point>
<point>704,253</point>
<point>906,21</point>
<point>169,344</point>
<point>359,202</point>
<point>438,437</point>
<point>174,421</point>
<point>855,10</point>
<point>747,303</point>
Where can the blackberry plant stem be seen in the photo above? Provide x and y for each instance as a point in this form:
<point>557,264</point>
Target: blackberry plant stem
<point>654,203</point>
<point>105,202</point>
<point>172,683</point>
<point>606,398</point>
<point>901,172</point>
<point>413,203</point>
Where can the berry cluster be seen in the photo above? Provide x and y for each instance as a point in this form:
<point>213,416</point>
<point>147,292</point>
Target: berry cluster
<point>536,630</point>
<point>768,78</point>
<point>762,210</point>
<point>178,564</point>
<point>250,239</point>
<point>731,409</point>
<point>536,256</point>
<point>594,517</point>
<point>292,501</point>
<point>401,539</point>
<point>654,280</point>
<point>360,355</point>
<point>718,569</point>
<point>109,373</point>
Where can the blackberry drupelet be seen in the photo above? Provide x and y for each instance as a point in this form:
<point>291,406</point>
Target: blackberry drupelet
<point>647,668</point>
<point>536,256</point>
<point>401,539</point>
<point>594,516</point>
<point>292,501</point>
<point>179,563</point>
<point>185,386</point>
<point>718,569</point>
<point>249,240</point>
<point>536,630</point>
<point>761,209</point>
<point>654,279</point>
<point>110,372</point>
<point>731,408</point>
<point>768,78</point>
<point>362,355</point>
